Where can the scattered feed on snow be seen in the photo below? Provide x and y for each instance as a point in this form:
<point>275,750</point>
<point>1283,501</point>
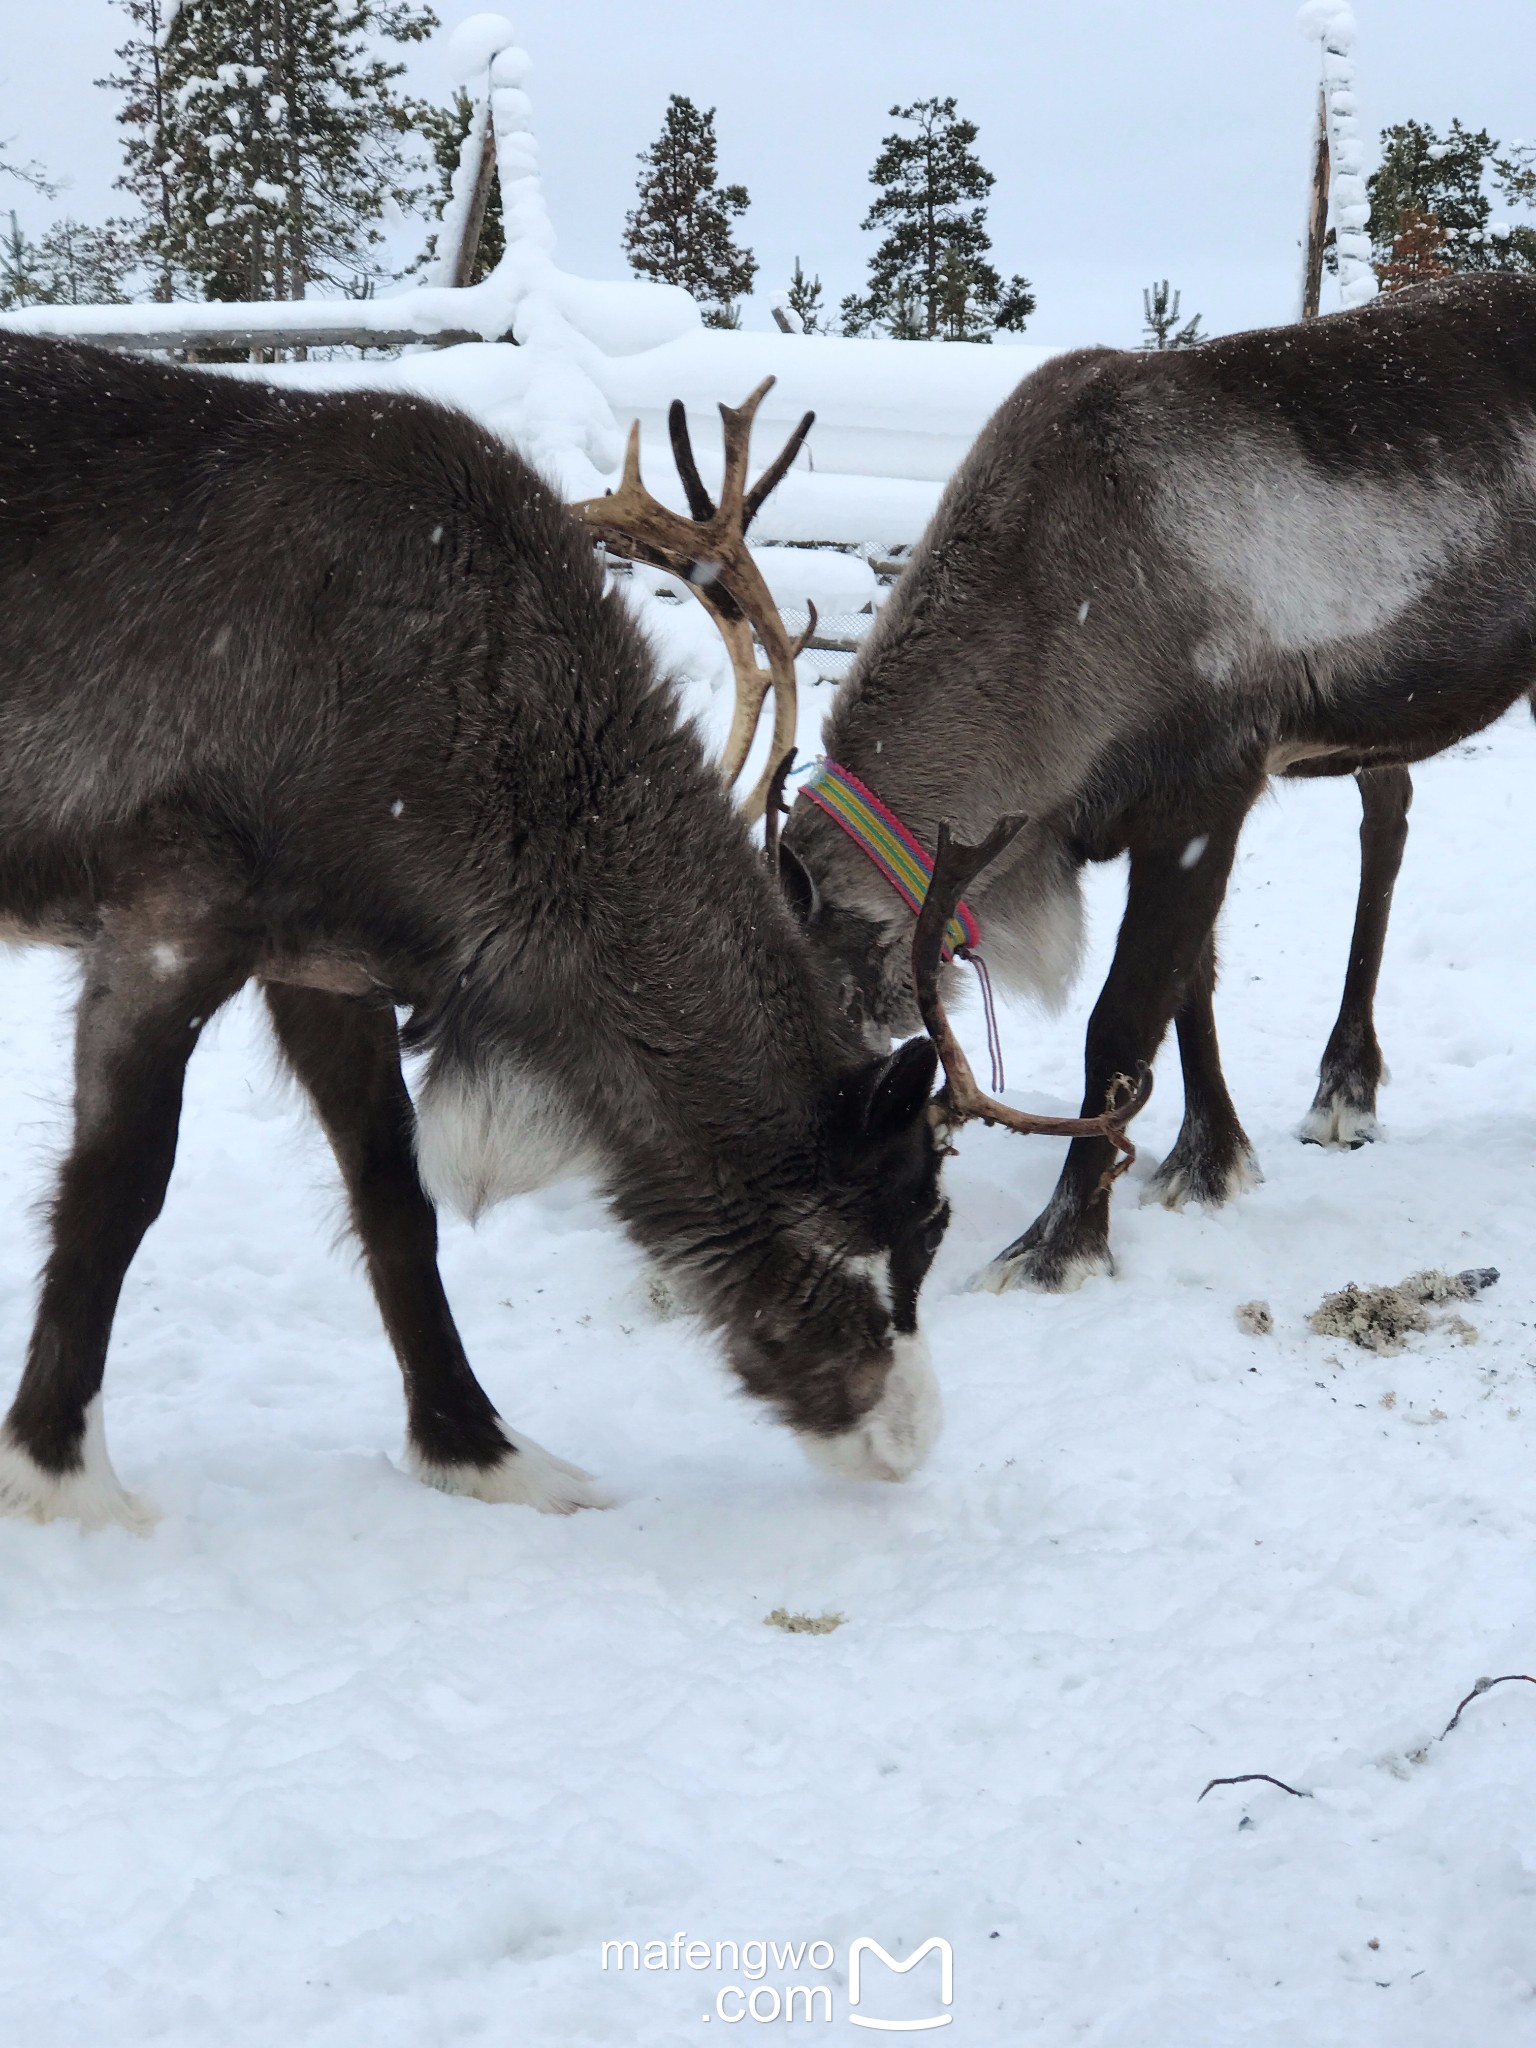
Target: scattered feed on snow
<point>802,1624</point>
<point>1379,1318</point>
<point>1255,1317</point>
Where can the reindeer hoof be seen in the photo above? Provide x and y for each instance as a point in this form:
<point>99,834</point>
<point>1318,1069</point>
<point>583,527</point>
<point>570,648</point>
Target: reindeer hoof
<point>528,1476</point>
<point>1185,1176</point>
<point>1335,1120</point>
<point>1043,1269</point>
<point>90,1494</point>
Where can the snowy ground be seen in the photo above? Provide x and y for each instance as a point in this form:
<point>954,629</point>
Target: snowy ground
<point>332,1759</point>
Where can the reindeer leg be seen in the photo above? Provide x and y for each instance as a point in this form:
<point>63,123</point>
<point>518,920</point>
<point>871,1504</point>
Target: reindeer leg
<point>1170,909</point>
<point>347,1055</point>
<point>1343,1111</point>
<point>1211,1160</point>
<point>149,988</point>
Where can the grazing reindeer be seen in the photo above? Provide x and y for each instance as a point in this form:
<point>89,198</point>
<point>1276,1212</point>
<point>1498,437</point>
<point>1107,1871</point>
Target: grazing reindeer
<point>1156,581</point>
<point>327,691</point>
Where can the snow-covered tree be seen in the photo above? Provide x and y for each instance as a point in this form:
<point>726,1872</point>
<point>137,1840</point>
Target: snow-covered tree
<point>681,229</point>
<point>1418,252</point>
<point>82,265</point>
<point>73,265</point>
<point>21,281</point>
<point>144,114</point>
<point>445,129</point>
<point>804,298</point>
<point>283,140</point>
<point>1160,313</point>
<point>1443,179</point>
<point>930,277</point>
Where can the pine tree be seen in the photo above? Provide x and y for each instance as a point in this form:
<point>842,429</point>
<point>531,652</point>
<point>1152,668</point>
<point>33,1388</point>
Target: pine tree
<point>804,297</point>
<point>1441,179</point>
<point>144,113</point>
<point>681,229</point>
<point>21,279</point>
<point>86,266</point>
<point>445,129</point>
<point>282,140</point>
<point>1418,252</point>
<point>27,174</point>
<point>1160,311</point>
<point>930,277</point>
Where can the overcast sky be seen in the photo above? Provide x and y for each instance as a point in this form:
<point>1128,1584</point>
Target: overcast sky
<point>1130,139</point>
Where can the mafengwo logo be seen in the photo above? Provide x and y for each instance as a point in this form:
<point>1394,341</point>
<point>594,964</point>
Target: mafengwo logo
<point>865,1946</point>
<point>765,2003</point>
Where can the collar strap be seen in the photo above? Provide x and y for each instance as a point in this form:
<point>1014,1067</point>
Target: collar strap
<point>895,852</point>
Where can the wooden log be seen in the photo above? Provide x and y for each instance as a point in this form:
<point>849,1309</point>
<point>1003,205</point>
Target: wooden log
<point>1317,218</point>
<point>480,199</point>
<point>286,333</point>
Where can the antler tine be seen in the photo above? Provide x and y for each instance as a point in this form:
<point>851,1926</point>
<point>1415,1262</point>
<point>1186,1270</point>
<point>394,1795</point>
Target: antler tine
<point>776,471</point>
<point>700,503</point>
<point>710,552</point>
<point>955,867</point>
<point>775,808</point>
<point>736,429</point>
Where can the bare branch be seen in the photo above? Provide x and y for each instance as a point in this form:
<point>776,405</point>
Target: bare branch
<point>1255,1778</point>
<point>1484,1685</point>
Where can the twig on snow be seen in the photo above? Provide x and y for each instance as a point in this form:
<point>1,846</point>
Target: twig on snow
<point>1484,1685</point>
<point>1252,1778</point>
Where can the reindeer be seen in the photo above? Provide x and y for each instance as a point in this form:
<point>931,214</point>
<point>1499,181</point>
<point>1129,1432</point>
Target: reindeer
<point>327,692</point>
<point>1155,582</point>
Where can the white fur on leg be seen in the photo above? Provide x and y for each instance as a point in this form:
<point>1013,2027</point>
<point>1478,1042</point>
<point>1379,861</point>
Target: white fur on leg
<point>1340,1123</point>
<point>1173,1183</point>
<point>896,1435</point>
<point>91,1495</point>
<point>528,1476</point>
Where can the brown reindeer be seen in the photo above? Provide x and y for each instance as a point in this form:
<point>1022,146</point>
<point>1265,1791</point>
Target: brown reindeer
<point>326,691</point>
<point>1155,582</point>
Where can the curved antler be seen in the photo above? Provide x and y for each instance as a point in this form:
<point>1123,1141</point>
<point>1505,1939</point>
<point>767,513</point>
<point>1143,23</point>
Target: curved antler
<point>710,553</point>
<point>955,867</point>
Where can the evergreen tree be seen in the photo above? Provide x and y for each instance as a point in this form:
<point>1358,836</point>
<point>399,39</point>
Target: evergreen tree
<point>86,266</point>
<point>28,174</point>
<point>804,297</point>
<point>856,316</point>
<point>144,114</point>
<point>21,279</point>
<point>930,277</point>
<point>1441,179</point>
<point>1418,252</point>
<point>282,141</point>
<point>681,229</point>
<point>1160,311</point>
<point>445,129</point>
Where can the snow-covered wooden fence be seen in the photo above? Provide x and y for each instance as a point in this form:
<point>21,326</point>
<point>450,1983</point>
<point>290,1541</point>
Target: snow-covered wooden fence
<point>893,418</point>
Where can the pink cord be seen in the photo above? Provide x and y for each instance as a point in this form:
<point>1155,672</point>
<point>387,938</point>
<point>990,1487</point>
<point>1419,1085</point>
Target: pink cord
<point>994,1040</point>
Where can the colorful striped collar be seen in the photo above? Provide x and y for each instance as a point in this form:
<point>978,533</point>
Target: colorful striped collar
<point>895,852</point>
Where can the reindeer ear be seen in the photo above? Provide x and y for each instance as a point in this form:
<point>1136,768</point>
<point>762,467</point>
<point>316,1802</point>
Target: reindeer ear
<point>902,1086</point>
<point>800,891</point>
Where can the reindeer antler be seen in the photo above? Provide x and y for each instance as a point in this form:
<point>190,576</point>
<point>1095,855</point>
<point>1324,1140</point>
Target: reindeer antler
<point>709,551</point>
<point>955,867</point>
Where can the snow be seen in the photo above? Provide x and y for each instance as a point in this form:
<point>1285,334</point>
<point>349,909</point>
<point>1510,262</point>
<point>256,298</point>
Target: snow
<point>474,43</point>
<point>1332,23</point>
<point>332,1758</point>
